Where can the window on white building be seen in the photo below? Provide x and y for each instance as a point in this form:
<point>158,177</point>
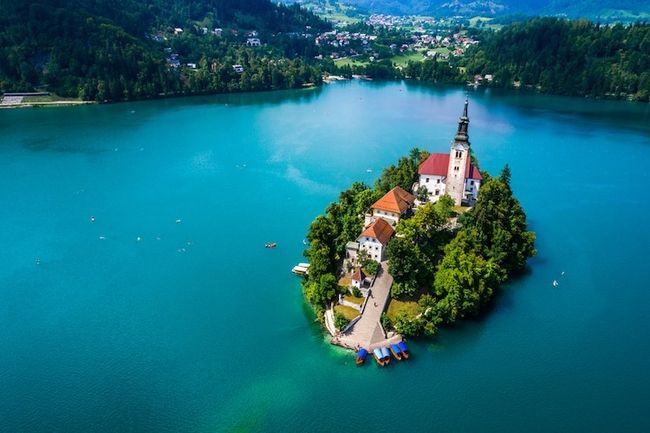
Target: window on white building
<point>437,192</point>
<point>426,180</point>
<point>471,182</point>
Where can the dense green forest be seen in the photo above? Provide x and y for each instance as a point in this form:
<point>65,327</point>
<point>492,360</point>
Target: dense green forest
<point>118,50</point>
<point>551,55</point>
<point>450,273</point>
<point>567,58</point>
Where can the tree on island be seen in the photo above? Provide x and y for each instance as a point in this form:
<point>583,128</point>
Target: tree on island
<point>492,243</point>
<point>453,271</point>
<point>501,226</point>
<point>414,252</point>
<point>404,174</point>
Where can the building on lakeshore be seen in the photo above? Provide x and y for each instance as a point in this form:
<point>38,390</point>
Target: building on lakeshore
<point>374,239</point>
<point>392,206</point>
<point>452,173</point>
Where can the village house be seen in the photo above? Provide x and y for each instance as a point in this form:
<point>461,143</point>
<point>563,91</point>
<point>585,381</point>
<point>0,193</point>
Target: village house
<point>392,206</point>
<point>374,239</point>
<point>358,279</point>
<point>452,173</point>
<point>253,42</point>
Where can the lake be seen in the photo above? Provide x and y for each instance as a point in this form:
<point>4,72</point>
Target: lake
<point>137,322</point>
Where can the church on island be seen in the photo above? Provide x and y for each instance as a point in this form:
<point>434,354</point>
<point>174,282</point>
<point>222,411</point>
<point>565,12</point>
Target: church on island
<point>452,173</point>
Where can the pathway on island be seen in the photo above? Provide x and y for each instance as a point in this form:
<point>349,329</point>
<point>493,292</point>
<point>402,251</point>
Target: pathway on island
<point>367,332</point>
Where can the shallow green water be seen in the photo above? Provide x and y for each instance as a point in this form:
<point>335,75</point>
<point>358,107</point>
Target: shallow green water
<point>198,328</point>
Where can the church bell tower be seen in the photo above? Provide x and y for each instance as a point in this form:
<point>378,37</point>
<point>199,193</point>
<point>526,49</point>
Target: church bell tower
<point>458,159</point>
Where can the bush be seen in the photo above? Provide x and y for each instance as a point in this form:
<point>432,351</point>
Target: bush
<point>385,322</point>
<point>402,290</point>
<point>356,292</point>
<point>371,266</point>
<point>406,326</point>
<point>340,321</point>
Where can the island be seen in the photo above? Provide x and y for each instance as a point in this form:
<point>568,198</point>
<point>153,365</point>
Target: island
<point>428,246</point>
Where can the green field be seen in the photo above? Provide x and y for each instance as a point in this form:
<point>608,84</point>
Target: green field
<point>349,61</point>
<point>347,312</point>
<point>402,59</point>
<point>473,22</point>
<point>334,11</point>
<point>410,308</point>
<point>354,299</point>
<point>410,56</point>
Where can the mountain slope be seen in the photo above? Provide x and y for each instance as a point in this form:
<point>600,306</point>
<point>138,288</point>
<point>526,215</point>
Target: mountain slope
<point>105,49</point>
<point>572,8</point>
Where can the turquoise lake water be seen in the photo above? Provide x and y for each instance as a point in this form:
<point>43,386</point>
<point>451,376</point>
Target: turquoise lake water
<point>196,327</point>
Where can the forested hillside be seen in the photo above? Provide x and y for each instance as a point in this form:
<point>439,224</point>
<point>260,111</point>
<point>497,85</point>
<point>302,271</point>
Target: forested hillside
<point>119,49</point>
<point>567,58</point>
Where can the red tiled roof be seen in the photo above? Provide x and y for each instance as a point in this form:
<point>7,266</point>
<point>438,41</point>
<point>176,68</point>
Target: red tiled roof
<point>471,172</point>
<point>396,200</point>
<point>358,275</point>
<point>437,164</point>
<point>380,230</point>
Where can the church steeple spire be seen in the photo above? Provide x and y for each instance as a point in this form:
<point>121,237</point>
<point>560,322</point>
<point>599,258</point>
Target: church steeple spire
<point>462,136</point>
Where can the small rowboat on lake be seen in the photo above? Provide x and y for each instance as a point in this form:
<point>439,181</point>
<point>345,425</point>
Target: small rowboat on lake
<point>404,349</point>
<point>270,245</point>
<point>301,269</point>
<point>361,356</point>
<point>395,350</point>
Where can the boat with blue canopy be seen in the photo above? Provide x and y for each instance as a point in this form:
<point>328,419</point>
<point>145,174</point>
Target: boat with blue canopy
<point>379,357</point>
<point>404,348</point>
<point>395,350</point>
<point>361,356</point>
<point>385,354</point>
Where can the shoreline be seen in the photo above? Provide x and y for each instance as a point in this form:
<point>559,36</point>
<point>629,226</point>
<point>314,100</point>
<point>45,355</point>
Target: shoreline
<point>310,86</point>
<point>45,104</point>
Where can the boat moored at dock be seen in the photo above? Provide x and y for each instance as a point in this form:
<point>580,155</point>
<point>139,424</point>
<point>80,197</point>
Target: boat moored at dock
<point>404,349</point>
<point>301,269</point>
<point>395,350</point>
<point>385,354</point>
<point>379,357</point>
<point>361,356</point>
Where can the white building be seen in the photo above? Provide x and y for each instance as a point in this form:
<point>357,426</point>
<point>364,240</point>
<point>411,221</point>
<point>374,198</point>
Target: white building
<point>358,279</point>
<point>374,239</point>
<point>392,206</point>
<point>452,173</point>
<point>253,42</point>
